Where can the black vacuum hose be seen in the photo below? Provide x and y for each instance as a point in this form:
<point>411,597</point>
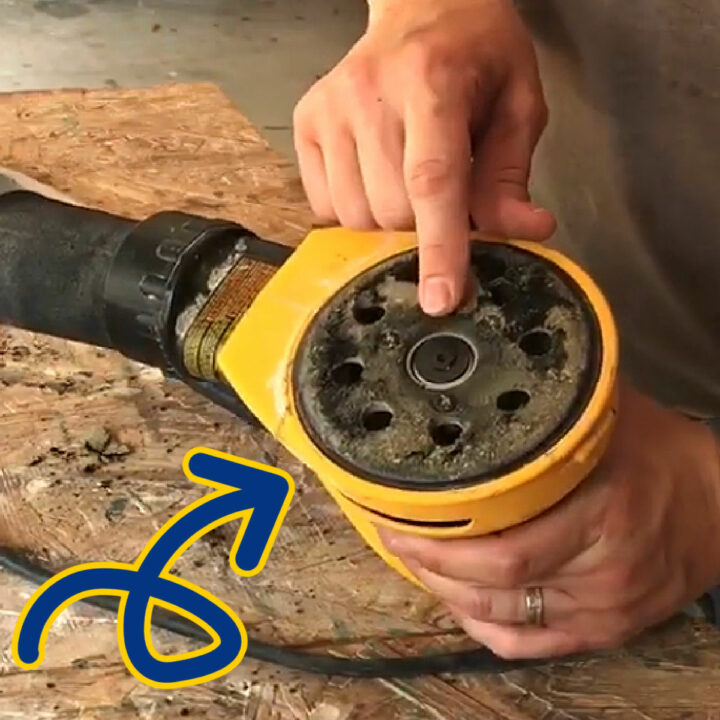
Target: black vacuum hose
<point>54,259</point>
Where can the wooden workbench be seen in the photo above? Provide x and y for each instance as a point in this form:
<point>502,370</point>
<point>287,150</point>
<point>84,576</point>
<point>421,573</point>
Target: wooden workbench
<point>90,465</point>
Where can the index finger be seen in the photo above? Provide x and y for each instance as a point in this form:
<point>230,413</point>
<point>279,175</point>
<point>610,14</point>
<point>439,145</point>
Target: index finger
<point>437,169</point>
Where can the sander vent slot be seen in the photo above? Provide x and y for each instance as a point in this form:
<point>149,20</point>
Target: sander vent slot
<point>413,523</point>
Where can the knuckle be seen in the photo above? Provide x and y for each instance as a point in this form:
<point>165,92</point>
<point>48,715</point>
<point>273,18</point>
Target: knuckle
<point>480,605</point>
<point>512,175</point>
<point>429,177</point>
<point>394,219</point>
<point>302,118</point>
<point>322,207</point>
<point>359,77</point>
<point>354,220</point>
<point>512,569</point>
<point>417,54</point>
<point>531,106</point>
<point>324,213</point>
<point>428,60</point>
<point>431,561</point>
<point>310,121</point>
<point>525,108</point>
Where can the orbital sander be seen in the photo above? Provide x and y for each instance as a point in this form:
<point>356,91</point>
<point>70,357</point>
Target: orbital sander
<point>447,427</point>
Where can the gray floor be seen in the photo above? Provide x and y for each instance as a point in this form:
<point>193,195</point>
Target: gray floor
<point>264,53</point>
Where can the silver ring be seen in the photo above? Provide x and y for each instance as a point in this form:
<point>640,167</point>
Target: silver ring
<point>534,606</point>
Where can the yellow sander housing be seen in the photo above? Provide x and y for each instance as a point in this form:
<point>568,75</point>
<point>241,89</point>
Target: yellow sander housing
<point>446,427</point>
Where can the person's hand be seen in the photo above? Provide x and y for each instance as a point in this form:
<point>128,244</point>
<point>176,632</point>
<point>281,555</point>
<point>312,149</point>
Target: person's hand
<point>430,120</point>
<point>634,544</point>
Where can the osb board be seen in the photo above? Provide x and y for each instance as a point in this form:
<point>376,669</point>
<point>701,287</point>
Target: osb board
<point>90,454</point>
<point>178,147</point>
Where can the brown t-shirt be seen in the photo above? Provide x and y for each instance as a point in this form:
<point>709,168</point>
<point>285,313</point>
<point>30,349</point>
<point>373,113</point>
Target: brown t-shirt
<point>630,163</point>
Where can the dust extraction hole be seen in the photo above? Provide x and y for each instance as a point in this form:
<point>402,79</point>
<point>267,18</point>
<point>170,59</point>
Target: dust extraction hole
<point>368,314</point>
<point>348,372</point>
<point>377,417</point>
<point>408,270</point>
<point>512,400</point>
<point>445,433</point>
<point>502,292</point>
<point>536,343</point>
<point>489,267</point>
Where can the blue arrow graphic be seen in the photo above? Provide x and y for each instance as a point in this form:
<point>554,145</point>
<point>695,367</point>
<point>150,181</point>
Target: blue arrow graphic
<point>255,494</point>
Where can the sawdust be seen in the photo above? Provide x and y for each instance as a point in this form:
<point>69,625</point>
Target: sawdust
<point>208,282</point>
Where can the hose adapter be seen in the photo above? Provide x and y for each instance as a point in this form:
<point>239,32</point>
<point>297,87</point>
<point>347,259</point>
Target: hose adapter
<point>172,293</point>
<point>142,289</point>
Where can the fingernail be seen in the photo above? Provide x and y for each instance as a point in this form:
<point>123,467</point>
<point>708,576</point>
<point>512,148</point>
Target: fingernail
<point>436,296</point>
<point>537,209</point>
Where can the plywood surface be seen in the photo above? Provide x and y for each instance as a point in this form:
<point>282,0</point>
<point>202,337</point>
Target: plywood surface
<point>90,466</point>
